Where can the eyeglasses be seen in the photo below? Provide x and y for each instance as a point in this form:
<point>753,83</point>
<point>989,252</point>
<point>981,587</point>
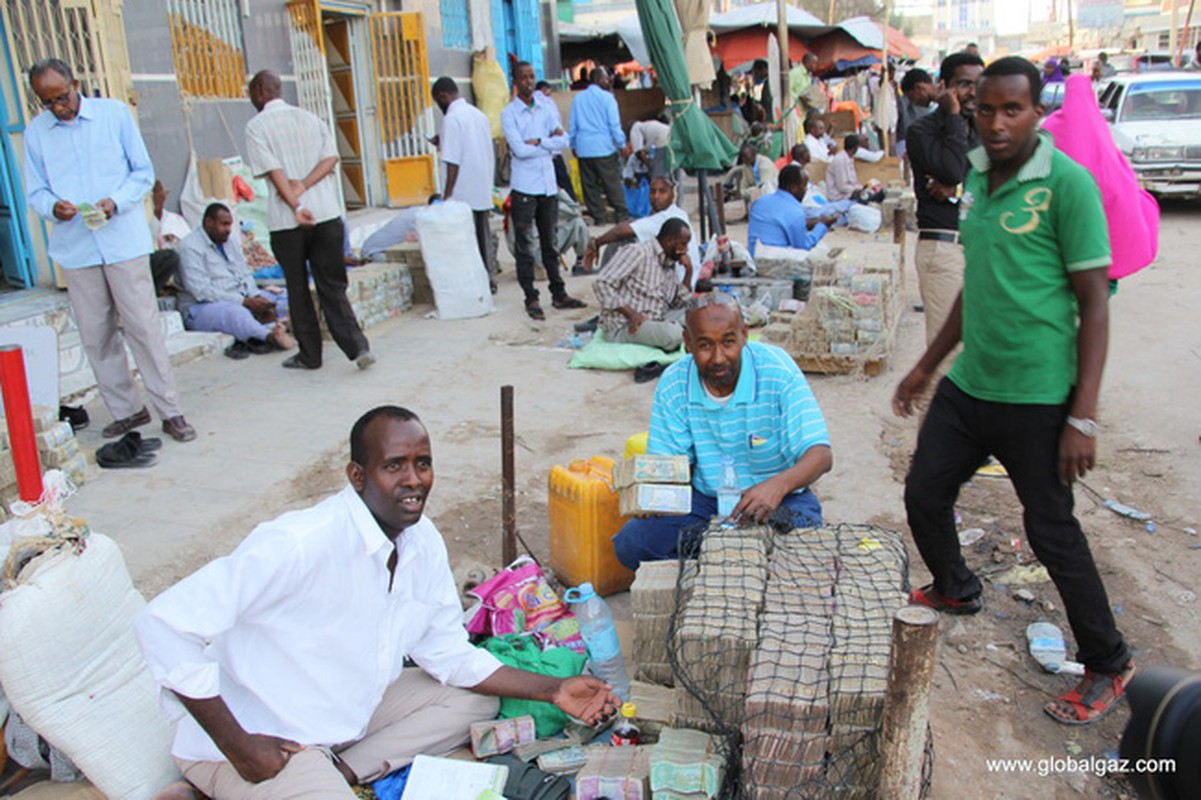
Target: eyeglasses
<point>714,298</point>
<point>61,100</point>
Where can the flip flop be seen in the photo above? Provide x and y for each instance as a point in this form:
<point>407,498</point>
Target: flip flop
<point>117,455</point>
<point>1089,707</point>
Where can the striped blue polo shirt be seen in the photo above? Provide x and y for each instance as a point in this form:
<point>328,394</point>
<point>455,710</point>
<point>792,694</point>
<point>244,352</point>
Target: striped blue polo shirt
<point>771,419</point>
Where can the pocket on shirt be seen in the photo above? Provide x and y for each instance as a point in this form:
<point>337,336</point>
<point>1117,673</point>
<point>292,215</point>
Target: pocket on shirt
<point>763,452</point>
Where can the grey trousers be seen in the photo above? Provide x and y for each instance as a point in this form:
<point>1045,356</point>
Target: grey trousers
<point>601,179</point>
<point>114,304</point>
<point>416,715</point>
<point>666,334</point>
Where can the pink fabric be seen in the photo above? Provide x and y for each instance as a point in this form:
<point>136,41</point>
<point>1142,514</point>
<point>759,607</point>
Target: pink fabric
<point>1082,134</point>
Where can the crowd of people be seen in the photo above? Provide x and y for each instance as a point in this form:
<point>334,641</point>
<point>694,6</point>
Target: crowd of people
<point>1011,260</point>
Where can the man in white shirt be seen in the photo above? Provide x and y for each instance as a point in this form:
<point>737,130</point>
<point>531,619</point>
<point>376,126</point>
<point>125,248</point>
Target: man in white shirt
<point>815,139</point>
<point>294,150</point>
<point>284,661</point>
<point>534,135</point>
<point>470,161</point>
<point>663,208</point>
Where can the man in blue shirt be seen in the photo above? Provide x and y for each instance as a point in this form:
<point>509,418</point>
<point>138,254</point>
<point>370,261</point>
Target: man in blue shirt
<point>87,171</point>
<point>779,219</point>
<point>534,135</point>
<point>596,136</point>
<point>745,400</point>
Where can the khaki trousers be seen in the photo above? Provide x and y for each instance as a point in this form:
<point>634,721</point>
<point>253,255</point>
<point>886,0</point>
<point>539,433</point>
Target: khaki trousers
<point>666,334</point>
<point>939,280</point>
<point>417,715</point>
<point>107,300</point>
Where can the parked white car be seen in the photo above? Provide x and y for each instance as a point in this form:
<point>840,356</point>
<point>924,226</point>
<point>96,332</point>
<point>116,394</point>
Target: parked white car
<point>1156,121</point>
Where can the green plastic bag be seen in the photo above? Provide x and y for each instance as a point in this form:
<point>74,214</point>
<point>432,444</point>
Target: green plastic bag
<point>522,652</point>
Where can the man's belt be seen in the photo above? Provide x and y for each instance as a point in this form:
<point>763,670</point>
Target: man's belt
<point>940,236</point>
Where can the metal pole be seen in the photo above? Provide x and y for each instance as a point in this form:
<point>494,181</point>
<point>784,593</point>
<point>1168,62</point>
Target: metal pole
<point>781,91</point>
<point>830,16</point>
<point>1188,21</point>
<point>1174,39</point>
<point>907,702</point>
<point>18,412</point>
<point>508,542</point>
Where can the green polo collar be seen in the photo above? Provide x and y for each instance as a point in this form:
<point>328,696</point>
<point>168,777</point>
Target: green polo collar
<point>1037,168</point>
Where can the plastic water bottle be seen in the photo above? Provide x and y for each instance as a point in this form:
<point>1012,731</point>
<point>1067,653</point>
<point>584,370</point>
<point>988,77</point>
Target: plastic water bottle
<point>600,635</point>
<point>728,493</point>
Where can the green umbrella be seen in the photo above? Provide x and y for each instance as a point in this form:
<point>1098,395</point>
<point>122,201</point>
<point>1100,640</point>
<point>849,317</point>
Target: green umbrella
<point>695,141</point>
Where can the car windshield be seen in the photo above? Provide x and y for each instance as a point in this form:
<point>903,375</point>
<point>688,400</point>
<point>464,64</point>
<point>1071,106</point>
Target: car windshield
<point>1146,101</point>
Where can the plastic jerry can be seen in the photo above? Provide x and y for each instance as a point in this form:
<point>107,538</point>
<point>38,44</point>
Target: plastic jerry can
<point>584,517</point>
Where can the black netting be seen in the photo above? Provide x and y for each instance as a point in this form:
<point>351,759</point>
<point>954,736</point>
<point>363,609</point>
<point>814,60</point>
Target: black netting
<point>779,641</point>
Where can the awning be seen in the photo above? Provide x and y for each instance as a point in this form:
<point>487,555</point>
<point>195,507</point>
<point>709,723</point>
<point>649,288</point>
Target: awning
<point>766,15</point>
<point>899,45</point>
<point>741,46</point>
<point>837,51</point>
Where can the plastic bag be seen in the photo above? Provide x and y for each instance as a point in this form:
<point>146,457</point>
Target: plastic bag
<point>490,88</point>
<point>864,218</point>
<point>521,652</point>
<point>519,599</point>
<point>638,201</point>
<point>452,261</point>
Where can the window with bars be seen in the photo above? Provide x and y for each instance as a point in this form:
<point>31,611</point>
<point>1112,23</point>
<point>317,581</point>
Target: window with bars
<point>206,39</point>
<point>456,24</point>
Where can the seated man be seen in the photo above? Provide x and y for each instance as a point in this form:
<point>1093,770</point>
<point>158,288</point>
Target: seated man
<point>816,140</point>
<point>285,660</point>
<point>639,290</point>
<point>663,208</point>
<point>753,176</point>
<point>218,293</point>
<point>842,180</point>
<point>780,220</point>
<point>167,229</point>
<point>731,397</point>
<point>571,233</point>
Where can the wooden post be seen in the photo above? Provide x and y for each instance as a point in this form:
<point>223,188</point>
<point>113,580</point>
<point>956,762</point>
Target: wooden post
<point>508,542</point>
<point>899,220</point>
<point>907,702</point>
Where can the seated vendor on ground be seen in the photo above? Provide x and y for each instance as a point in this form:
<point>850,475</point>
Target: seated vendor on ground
<point>779,219</point>
<point>623,234</point>
<point>745,400</point>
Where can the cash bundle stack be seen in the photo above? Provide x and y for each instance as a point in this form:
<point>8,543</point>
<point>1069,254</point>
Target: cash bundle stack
<point>686,765</point>
<point>615,772</point>
<point>717,629</point>
<point>652,600</point>
<point>650,484</point>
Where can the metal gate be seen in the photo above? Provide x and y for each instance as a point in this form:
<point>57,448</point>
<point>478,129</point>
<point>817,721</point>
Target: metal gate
<point>308,60</point>
<point>405,110</point>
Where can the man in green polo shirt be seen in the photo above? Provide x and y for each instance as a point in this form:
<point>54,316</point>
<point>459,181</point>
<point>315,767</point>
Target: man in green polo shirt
<point>1033,319</point>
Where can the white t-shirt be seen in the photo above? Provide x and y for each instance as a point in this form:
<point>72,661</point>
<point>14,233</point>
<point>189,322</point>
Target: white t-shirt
<point>467,141</point>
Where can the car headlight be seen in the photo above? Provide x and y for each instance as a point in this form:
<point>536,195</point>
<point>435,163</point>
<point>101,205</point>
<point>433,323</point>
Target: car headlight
<point>1138,154</point>
<point>1165,153</point>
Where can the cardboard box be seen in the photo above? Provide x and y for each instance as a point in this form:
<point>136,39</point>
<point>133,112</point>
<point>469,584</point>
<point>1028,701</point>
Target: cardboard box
<point>655,498</point>
<point>644,468</point>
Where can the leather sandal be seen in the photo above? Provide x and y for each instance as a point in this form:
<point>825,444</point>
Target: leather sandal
<point>534,309</point>
<point>1085,708</point>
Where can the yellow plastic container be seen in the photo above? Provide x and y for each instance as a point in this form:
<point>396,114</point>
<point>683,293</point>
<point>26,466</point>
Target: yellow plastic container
<point>584,516</point>
<point>636,444</point>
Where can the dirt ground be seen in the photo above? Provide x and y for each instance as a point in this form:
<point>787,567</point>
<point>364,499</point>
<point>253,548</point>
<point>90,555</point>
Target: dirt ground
<point>988,693</point>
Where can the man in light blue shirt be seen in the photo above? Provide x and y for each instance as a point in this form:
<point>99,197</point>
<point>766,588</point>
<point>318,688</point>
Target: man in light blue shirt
<point>87,172</point>
<point>534,135</point>
<point>745,400</point>
<point>596,136</point>
<point>218,292</point>
<point>779,219</point>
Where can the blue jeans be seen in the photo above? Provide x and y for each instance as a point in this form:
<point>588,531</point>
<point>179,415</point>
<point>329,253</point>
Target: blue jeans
<point>656,538</point>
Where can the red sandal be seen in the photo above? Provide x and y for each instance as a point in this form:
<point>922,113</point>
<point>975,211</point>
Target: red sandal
<point>1089,707</point>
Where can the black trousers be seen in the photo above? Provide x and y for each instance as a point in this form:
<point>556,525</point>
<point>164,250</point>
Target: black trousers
<point>483,240</point>
<point>959,432</point>
<point>601,178</point>
<point>318,248</point>
<point>542,210</point>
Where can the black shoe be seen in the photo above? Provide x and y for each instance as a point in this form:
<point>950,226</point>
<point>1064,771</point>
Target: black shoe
<point>649,372</point>
<point>260,347</point>
<point>579,270</point>
<point>237,351</point>
<point>587,327</point>
<point>77,416</point>
<point>295,363</point>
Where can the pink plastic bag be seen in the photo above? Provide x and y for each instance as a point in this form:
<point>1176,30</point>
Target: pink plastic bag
<point>519,599</point>
<point>1082,134</point>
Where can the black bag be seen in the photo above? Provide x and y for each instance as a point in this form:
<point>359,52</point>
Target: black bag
<point>527,782</point>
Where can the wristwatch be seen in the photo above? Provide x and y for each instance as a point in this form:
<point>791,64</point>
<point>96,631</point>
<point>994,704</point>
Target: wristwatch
<point>1086,426</point>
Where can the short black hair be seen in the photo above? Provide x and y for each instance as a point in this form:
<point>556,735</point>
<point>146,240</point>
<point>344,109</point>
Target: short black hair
<point>540,85</point>
<point>672,227</point>
<point>791,176</point>
<point>971,44</point>
<point>851,142</point>
<point>213,209</point>
<point>1016,65</point>
<point>760,63</point>
<point>946,72</point>
<point>357,446</point>
<point>597,74</point>
<point>811,120</point>
<point>914,77</point>
<point>45,65</point>
<point>445,85</point>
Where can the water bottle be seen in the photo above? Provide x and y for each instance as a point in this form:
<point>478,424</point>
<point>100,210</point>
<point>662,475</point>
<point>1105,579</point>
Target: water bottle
<point>596,626</point>
<point>728,493</point>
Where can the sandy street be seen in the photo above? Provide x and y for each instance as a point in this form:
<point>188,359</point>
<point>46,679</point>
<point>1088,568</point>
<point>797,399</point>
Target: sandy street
<point>271,439</point>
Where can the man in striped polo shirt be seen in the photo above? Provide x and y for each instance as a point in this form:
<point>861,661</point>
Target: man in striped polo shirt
<point>745,400</point>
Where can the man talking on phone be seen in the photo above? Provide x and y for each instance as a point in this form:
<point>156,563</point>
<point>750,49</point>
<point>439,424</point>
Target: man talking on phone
<point>937,145</point>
